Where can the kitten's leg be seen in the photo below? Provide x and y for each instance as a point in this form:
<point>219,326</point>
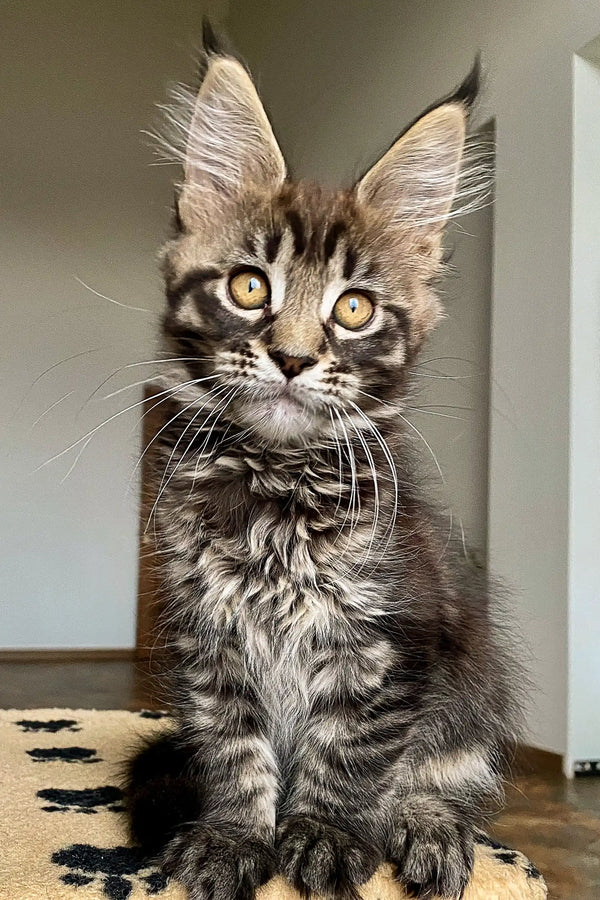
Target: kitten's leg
<point>228,851</point>
<point>441,797</point>
<point>328,837</point>
<point>431,845</point>
<point>380,772</point>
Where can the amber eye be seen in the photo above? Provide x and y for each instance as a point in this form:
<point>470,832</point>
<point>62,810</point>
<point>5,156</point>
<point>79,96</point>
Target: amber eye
<point>250,289</point>
<point>353,310</point>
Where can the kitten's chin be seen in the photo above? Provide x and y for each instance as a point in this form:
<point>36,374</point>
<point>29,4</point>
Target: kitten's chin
<point>280,420</point>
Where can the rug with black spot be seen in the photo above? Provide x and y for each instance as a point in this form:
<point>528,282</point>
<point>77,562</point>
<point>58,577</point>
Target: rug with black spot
<point>62,828</point>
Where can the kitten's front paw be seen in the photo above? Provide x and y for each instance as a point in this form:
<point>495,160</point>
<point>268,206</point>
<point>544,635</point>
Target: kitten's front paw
<point>432,850</point>
<point>216,866</point>
<point>318,857</point>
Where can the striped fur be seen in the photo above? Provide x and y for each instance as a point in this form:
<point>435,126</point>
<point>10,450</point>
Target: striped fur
<point>342,692</point>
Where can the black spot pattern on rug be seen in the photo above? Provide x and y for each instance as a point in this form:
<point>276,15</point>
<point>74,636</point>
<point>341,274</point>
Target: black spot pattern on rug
<point>487,841</point>
<point>51,726</point>
<point>532,871</point>
<point>89,800</point>
<point>117,869</point>
<point>64,754</point>
<point>507,856</point>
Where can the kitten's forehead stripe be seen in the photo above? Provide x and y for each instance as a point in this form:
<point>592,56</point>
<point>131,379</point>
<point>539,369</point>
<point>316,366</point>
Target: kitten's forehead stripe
<point>349,263</point>
<point>332,235</point>
<point>272,246</point>
<point>297,228</point>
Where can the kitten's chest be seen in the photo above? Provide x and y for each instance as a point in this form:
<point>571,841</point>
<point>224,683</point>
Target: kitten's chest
<point>278,578</point>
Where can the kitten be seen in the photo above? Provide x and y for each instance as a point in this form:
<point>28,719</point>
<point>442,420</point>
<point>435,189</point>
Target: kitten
<point>342,697</point>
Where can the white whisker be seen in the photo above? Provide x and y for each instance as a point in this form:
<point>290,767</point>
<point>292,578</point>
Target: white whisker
<point>392,466</point>
<point>171,420</point>
<point>111,300</point>
<point>50,408</point>
<point>102,424</point>
<point>164,484</point>
<point>373,469</point>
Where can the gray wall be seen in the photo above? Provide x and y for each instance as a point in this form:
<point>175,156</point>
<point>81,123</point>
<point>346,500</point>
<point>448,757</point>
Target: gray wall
<point>78,198</point>
<point>340,79</point>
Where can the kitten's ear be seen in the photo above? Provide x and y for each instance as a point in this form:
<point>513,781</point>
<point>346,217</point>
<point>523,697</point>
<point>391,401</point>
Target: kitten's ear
<point>416,181</point>
<point>230,146</point>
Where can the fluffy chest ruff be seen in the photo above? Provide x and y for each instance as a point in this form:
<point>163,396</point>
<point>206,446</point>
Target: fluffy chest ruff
<point>269,544</point>
<point>263,574</point>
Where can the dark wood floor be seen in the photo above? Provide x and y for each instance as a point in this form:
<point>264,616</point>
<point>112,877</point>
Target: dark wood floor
<point>554,821</point>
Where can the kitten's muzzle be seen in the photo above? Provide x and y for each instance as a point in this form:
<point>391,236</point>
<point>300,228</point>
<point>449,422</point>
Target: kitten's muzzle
<point>291,365</point>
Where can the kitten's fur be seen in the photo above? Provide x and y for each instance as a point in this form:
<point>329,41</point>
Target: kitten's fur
<point>341,694</point>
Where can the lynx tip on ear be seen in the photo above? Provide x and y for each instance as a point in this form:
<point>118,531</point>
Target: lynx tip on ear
<point>211,41</point>
<point>468,90</point>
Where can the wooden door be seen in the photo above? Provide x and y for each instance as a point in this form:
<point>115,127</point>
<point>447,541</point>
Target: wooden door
<point>150,593</point>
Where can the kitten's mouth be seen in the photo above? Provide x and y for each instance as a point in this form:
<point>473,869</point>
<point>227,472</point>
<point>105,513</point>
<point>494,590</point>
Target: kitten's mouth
<point>284,405</point>
<point>286,402</point>
<point>281,415</point>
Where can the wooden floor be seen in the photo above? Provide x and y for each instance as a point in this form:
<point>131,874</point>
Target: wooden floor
<point>554,821</point>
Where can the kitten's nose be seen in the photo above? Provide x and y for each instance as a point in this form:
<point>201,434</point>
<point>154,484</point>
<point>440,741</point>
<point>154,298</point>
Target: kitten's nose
<point>291,365</point>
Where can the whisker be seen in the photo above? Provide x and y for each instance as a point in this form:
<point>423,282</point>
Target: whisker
<point>429,412</point>
<point>372,467</point>
<point>354,499</point>
<point>390,461</point>
<point>50,408</point>
<point>340,465</point>
<point>425,362</point>
<point>102,424</point>
<point>111,300</point>
<point>215,392</point>
<point>221,407</point>
<point>433,456</point>
<point>157,435</point>
<point>143,362</point>
<point>410,425</point>
<point>464,543</point>
<point>446,377</point>
<point>76,460</point>
<point>164,484</point>
<point>176,391</point>
<point>449,538</point>
<point>146,381</point>
<point>47,371</point>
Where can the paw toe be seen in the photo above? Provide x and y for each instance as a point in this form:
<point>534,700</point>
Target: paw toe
<point>318,857</point>
<point>215,866</point>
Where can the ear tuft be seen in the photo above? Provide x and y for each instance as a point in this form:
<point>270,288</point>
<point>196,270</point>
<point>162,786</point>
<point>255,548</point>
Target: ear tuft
<point>211,41</point>
<point>431,166</point>
<point>216,43</point>
<point>468,90</point>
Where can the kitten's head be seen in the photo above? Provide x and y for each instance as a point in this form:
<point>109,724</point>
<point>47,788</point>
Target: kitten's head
<point>297,306</point>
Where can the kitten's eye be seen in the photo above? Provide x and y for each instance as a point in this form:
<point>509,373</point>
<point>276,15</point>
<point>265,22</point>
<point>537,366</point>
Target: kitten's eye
<point>353,310</point>
<point>250,289</point>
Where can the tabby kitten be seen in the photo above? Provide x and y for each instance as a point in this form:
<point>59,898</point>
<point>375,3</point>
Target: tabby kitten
<point>341,695</point>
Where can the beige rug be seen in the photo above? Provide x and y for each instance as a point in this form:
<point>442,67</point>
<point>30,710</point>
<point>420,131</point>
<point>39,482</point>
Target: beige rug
<point>62,829</point>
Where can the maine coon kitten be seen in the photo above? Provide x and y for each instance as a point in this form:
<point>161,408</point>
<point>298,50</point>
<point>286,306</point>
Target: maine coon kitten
<point>341,695</point>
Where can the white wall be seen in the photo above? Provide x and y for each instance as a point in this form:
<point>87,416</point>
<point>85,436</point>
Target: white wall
<point>340,80</point>
<point>584,567</point>
<point>78,197</point>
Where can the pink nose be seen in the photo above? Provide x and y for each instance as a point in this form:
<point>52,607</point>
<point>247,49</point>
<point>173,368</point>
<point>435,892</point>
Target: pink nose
<point>291,365</point>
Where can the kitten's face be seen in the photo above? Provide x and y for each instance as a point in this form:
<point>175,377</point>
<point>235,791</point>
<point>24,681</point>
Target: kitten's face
<point>301,309</point>
<point>303,306</point>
